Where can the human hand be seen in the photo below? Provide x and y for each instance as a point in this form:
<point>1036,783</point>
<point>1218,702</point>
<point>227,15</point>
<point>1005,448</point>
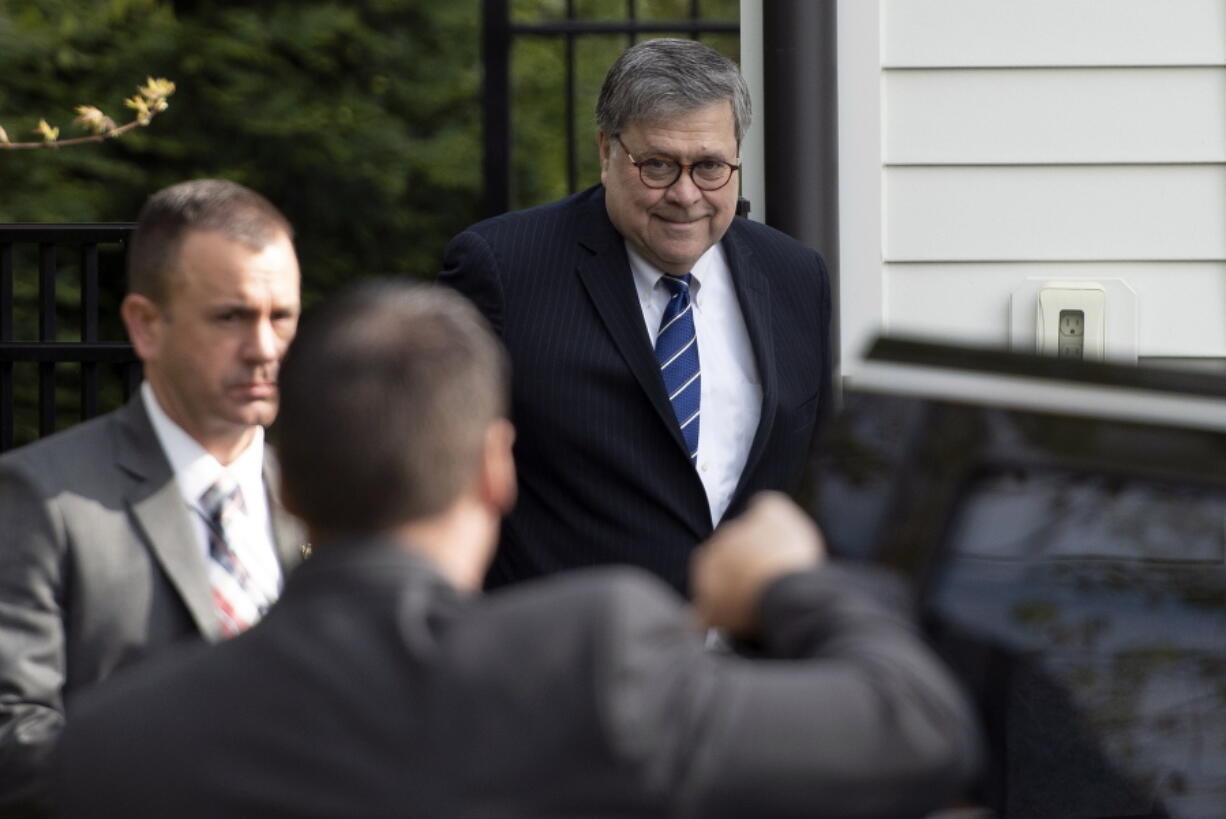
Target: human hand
<point>728,572</point>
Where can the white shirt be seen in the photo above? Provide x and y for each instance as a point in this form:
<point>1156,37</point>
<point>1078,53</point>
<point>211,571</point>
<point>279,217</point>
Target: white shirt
<point>731,399</point>
<point>196,470</point>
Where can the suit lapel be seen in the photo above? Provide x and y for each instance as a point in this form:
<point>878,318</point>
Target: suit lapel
<point>161,517</point>
<point>289,538</point>
<point>753,293</point>
<point>606,276</point>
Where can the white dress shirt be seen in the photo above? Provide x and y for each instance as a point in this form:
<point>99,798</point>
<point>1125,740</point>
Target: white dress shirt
<point>731,399</point>
<point>196,470</point>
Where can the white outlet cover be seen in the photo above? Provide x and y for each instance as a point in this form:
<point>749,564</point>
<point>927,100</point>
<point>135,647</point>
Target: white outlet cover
<point>1087,298</point>
<point>1118,314</point>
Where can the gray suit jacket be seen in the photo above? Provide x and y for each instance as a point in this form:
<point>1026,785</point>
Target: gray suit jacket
<point>99,568</point>
<point>373,688</point>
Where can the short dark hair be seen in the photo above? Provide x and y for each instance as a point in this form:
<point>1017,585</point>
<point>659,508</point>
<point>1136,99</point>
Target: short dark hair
<point>233,210</point>
<point>386,395</point>
<point>659,79</point>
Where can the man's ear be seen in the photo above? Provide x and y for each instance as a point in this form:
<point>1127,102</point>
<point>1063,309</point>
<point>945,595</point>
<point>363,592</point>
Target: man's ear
<point>143,319</point>
<point>498,486</point>
<point>604,156</point>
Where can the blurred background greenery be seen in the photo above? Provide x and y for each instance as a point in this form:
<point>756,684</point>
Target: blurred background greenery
<point>358,119</point>
<point>361,119</point>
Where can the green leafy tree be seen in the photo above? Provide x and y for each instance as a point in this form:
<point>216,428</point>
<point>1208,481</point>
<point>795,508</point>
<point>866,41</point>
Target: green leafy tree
<point>359,118</point>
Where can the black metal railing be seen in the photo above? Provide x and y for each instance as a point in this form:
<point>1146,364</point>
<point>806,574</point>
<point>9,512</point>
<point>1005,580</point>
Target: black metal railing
<point>35,301</point>
<point>498,34</point>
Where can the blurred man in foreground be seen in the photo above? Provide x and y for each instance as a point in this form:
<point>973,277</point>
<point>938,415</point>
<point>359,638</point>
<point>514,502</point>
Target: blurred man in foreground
<point>383,684</point>
<point>152,524</point>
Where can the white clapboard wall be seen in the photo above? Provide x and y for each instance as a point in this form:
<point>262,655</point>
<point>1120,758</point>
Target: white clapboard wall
<point>986,142</point>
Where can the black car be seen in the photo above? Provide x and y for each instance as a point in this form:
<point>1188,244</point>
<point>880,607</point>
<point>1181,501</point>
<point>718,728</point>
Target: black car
<point>1064,525</point>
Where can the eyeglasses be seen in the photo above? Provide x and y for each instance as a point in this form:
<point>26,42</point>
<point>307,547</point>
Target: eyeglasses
<point>660,172</point>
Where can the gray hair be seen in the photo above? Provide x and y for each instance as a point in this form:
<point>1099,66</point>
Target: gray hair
<point>658,79</point>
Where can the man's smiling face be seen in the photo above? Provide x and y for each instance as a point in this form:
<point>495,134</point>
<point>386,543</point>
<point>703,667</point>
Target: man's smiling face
<point>670,227</point>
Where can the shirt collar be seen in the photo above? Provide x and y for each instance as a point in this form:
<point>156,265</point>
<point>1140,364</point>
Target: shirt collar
<point>195,469</point>
<point>647,276</point>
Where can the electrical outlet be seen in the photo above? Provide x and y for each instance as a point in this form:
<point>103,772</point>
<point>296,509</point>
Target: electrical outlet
<point>1071,342</point>
<point>1071,320</point>
<point>1108,317</point>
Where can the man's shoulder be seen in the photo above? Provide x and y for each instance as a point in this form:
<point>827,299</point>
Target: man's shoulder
<point>71,455</point>
<point>609,599</point>
<point>550,217</point>
<point>560,632</point>
<point>757,236</point>
<point>101,717</point>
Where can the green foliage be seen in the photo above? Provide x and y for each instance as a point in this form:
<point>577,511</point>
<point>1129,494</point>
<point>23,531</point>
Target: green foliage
<point>359,119</point>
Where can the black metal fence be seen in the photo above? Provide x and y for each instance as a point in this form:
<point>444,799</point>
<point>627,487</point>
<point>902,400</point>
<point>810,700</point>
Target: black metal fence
<point>63,357</point>
<point>58,324</point>
<point>572,24</point>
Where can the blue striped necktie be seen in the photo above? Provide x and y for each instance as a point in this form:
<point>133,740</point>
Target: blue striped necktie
<point>677,353</point>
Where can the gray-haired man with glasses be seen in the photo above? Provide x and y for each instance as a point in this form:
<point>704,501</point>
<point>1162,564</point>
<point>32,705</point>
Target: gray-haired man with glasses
<point>670,359</point>
<point>660,172</point>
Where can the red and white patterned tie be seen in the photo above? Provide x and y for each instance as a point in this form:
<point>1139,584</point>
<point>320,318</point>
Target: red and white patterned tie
<point>239,597</point>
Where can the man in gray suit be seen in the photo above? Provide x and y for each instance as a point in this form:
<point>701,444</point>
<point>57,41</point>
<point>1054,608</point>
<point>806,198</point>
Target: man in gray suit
<point>381,684</point>
<point>114,543</point>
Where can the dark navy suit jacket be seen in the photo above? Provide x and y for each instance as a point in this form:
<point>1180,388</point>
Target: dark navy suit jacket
<point>604,474</point>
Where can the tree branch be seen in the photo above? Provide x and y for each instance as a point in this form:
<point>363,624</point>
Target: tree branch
<point>148,103</point>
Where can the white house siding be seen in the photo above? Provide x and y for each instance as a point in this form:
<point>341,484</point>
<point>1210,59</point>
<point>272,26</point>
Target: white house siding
<point>1015,139</point>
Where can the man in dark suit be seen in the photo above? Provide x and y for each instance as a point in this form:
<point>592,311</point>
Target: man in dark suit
<point>381,684</point>
<point>669,359</point>
<point>109,551</point>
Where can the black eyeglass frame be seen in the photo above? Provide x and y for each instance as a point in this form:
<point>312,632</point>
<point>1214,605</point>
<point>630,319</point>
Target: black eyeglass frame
<point>680,169</point>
